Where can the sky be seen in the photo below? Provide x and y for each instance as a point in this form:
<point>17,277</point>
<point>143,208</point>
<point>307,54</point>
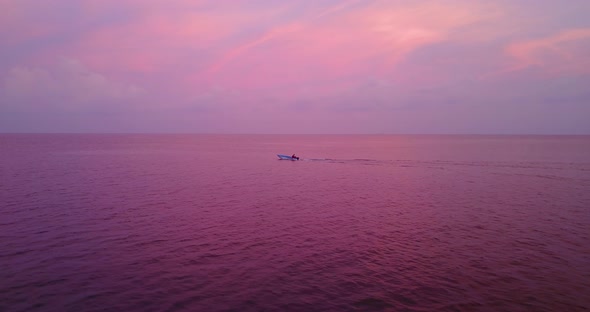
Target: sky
<point>286,66</point>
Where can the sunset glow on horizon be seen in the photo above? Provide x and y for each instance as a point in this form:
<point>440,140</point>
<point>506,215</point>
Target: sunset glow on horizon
<point>263,66</point>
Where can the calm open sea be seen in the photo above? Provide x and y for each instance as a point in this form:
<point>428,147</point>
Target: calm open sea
<point>360,223</point>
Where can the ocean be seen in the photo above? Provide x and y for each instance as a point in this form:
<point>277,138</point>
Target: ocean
<point>101,222</point>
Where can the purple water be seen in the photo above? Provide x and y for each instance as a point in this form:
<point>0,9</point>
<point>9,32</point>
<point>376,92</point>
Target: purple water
<point>360,223</point>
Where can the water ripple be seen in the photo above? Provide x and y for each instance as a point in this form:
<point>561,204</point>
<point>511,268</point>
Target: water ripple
<point>174,223</point>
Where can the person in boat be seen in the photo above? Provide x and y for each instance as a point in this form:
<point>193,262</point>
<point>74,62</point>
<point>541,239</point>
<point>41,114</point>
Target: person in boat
<point>294,157</point>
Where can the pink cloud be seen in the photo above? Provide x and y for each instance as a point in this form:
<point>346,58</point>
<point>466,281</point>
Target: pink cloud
<point>273,32</point>
<point>341,46</point>
<point>240,50</point>
<point>25,21</point>
<point>149,43</point>
<point>8,13</point>
<point>556,53</point>
<point>269,60</point>
<point>146,36</point>
<point>205,42</point>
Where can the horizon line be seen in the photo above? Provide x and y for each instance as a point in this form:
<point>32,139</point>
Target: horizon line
<point>259,133</point>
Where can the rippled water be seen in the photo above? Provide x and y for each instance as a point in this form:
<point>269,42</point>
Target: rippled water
<point>361,223</point>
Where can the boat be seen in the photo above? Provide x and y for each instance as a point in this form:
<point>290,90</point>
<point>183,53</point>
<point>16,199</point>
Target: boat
<point>287,157</point>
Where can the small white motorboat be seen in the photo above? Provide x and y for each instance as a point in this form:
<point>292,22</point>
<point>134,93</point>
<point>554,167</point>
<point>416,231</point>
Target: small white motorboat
<point>287,157</point>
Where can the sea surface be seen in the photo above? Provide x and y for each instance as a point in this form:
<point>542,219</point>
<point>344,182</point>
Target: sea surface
<point>360,223</point>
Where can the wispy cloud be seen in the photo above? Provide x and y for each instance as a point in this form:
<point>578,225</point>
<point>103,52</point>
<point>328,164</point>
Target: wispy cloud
<point>273,60</point>
<point>558,51</point>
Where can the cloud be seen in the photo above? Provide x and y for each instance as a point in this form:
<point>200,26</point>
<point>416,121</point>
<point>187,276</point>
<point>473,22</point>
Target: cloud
<point>335,44</point>
<point>558,54</point>
<point>277,31</point>
<point>68,85</point>
<point>262,63</point>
